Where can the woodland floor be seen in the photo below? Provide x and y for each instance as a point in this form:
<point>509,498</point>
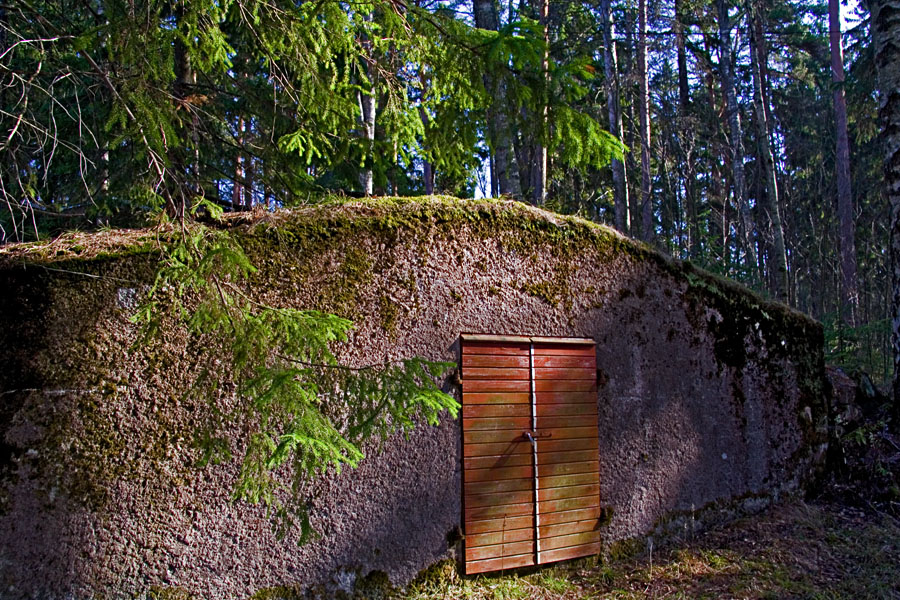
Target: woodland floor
<point>821,550</point>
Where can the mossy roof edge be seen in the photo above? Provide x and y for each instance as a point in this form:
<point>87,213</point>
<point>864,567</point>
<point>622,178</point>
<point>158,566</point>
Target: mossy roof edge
<point>334,213</point>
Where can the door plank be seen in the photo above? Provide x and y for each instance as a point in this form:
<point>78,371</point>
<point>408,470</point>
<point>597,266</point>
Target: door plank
<point>570,385</point>
<point>549,531</point>
<point>592,466</point>
<point>505,510</point>
<point>501,449</point>
<point>497,374</point>
<point>562,374</point>
<point>523,472</point>
<point>569,491</point>
<point>493,360</point>
<point>501,385</point>
<point>497,462</point>
<point>494,349</point>
<point>493,538</point>
<point>499,550</point>
<point>476,526</point>
<point>568,362</point>
<point>571,552</point>
<point>498,498</point>
<point>497,564</point>
<point>494,423</point>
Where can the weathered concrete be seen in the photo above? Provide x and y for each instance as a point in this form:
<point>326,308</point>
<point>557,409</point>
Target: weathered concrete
<point>710,398</point>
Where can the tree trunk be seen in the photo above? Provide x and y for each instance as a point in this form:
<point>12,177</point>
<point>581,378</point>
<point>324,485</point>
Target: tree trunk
<point>367,121</point>
<point>539,172</point>
<point>187,159</point>
<point>734,124</point>
<point>886,38</point>
<point>685,134</point>
<point>847,237</point>
<point>644,107</point>
<point>499,130</point>
<point>770,202</point>
<point>610,67</point>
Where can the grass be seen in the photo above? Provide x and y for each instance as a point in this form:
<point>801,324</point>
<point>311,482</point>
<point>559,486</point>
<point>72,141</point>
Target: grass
<point>797,550</point>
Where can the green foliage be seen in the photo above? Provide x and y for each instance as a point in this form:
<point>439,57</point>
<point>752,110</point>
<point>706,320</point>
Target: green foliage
<point>307,413</point>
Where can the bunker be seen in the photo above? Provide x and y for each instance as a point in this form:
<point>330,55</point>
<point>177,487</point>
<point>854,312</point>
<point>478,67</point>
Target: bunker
<point>709,401</point>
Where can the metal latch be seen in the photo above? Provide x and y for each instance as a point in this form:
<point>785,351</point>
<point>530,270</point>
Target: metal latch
<point>533,437</point>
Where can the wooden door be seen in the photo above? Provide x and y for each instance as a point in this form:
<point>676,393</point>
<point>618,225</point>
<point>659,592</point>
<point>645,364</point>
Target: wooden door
<point>531,471</point>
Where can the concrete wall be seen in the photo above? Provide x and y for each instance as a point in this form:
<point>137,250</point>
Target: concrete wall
<point>710,399</point>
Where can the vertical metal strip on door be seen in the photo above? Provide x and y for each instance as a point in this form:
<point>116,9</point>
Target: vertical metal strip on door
<point>530,451</point>
<point>498,469</point>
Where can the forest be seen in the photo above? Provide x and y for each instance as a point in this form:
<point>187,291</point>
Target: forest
<point>742,136</point>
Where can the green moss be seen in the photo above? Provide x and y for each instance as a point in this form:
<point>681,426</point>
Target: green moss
<point>169,593</point>
<point>389,312</point>
<point>457,297</point>
<point>280,592</point>
<point>622,549</point>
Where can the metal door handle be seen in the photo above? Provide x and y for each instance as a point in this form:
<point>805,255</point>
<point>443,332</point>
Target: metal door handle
<point>533,437</point>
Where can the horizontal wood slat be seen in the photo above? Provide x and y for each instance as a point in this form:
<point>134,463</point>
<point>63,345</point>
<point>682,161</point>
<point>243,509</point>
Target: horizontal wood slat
<point>565,385</point>
<point>547,458</point>
<point>499,550</point>
<point>494,349</point>
<point>571,552</point>
<point>565,541</point>
<point>504,510</point>
<point>496,410</point>
<point>493,538</point>
<point>568,468</point>
<point>579,409</point>
<point>558,445</point>
<point>476,526</point>
<point>497,374</point>
<point>496,385</point>
<point>499,498</point>
<point>525,472</point>
<point>486,360</point>
<point>495,423</point>
<point>561,421</point>
<point>551,506</point>
<point>549,531</point>
<point>569,491</point>
<point>556,481</point>
<point>564,433</point>
<point>586,350</point>
<point>502,436</point>
<point>497,564</point>
<point>564,374</point>
<point>498,398</point>
<point>503,485</point>
<point>498,462</point>
<point>502,448</point>
<point>570,516</point>
<point>566,362</point>
<point>567,399</point>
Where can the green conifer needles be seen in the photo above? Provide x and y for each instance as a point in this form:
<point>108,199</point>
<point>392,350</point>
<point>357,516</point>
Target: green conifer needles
<point>302,411</point>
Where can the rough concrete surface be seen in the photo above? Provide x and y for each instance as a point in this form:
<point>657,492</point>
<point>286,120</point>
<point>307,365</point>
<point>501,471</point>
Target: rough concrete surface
<point>709,398</point>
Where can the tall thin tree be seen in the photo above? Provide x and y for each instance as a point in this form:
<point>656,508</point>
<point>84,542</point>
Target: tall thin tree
<point>644,107</point>
<point>886,38</point>
<point>847,228</point>
<point>610,70</point>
